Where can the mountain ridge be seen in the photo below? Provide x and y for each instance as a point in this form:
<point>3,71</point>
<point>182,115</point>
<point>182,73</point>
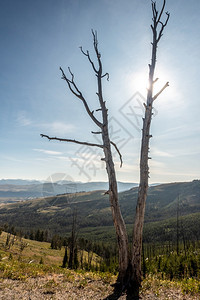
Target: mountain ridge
<point>93,209</point>
<point>22,190</point>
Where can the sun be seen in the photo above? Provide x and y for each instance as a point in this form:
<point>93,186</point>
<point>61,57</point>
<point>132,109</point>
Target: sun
<point>138,81</point>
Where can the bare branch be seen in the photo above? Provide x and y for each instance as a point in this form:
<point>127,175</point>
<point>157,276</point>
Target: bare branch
<point>154,11</point>
<point>164,87</point>
<point>103,159</point>
<point>161,12</point>
<point>157,20</point>
<point>95,43</point>
<point>155,80</point>
<point>145,105</point>
<point>96,132</point>
<point>88,56</point>
<point>120,156</point>
<point>163,25</point>
<point>71,141</point>
<point>74,89</point>
<point>107,192</point>
<point>106,75</point>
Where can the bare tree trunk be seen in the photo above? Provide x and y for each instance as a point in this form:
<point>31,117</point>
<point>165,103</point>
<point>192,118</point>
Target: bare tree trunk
<point>136,276</point>
<point>118,220</point>
<point>120,227</point>
<point>119,224</point>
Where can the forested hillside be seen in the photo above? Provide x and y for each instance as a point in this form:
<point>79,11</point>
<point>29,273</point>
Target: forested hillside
<point>165,202</point>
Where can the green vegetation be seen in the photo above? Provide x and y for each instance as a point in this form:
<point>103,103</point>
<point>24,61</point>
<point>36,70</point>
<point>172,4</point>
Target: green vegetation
<point>162,259</point>
<point>39,241</point>
<point>54,214</point>
<point>38,259</point>
<point>163,269</point>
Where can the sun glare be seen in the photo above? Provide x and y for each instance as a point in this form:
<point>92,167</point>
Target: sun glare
<point>138,82</point>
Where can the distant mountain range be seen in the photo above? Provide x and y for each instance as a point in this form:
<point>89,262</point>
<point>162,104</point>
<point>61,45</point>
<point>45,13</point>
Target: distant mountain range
<point>19,181</point>
<point>18,189</point>
<point>164,203</point>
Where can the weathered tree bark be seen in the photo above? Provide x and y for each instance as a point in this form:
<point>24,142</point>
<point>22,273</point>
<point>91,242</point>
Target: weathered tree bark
<point>119,223</point>
<point>136,276</point>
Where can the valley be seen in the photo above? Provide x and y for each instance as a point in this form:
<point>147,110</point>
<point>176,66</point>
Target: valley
<point>94,218</point>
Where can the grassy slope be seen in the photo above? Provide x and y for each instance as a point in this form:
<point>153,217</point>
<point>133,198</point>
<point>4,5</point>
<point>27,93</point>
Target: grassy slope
<point>33,251</point>
<point>42,280</point>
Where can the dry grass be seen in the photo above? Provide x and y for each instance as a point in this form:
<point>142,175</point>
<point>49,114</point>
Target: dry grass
<point>80,286</point>
<point>22,277</point>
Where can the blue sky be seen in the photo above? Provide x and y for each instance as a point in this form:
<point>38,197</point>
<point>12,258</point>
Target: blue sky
<point>37,37</point>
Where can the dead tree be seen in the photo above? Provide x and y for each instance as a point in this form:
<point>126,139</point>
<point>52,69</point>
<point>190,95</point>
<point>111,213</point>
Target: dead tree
<point>106,144</point>
<point>129,277</point>
<point>72,264</point>
<point>157,27</point>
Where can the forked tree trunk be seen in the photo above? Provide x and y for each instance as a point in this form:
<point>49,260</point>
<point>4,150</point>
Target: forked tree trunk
<point>130,276</point>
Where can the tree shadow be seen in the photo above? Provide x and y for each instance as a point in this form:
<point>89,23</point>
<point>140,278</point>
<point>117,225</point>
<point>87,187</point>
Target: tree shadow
<point>129,294</point>
<point>116,296</point>
<point>117,292</point>
<point>113,296</point>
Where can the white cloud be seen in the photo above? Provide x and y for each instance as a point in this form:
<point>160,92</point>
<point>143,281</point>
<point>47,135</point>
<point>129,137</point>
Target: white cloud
<point>157,152</point>
<point>49,152</point>
<point>57,127</point>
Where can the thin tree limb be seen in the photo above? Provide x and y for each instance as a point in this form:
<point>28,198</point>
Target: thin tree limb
<point>161,12</point>
<point>163,26</point>
<point>95,43</point>
<point>155,12</point>
<point>164,87</point>
<point>155,80</point>
<point>79,95</point>
<point>96,132</point>
<point>120,156</point>
<point>106,74</point>
<point>157,20</point>
<point>71,141</point>
<point>88,56</point>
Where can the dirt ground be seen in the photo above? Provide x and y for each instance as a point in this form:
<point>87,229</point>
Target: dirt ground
<point>56,286</point>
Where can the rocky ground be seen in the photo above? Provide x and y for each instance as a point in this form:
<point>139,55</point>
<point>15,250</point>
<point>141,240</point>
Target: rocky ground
<point>59,286</point>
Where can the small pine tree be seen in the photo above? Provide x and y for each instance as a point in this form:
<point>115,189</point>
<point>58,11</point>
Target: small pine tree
<point>32,236</point>
<point>65,258</point>
<point>76,263</point>
<point>41,261</point>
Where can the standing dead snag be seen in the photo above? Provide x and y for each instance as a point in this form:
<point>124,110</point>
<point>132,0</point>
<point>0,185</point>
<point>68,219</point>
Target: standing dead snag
<point>157,27</point>
<point>129,277</point>
<point>119,224</point>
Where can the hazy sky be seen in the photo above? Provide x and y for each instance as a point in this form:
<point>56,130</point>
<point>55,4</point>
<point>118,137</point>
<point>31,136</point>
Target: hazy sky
<point>37,37</point>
